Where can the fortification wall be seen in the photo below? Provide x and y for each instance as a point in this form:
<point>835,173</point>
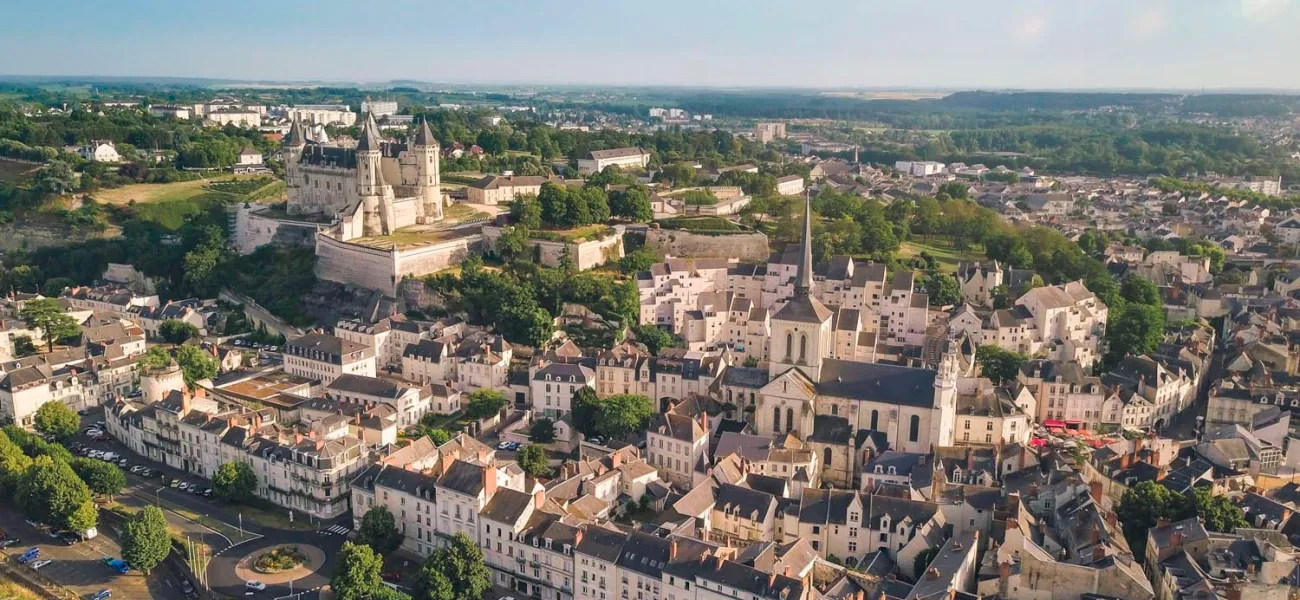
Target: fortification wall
<point>418,262</point>
<point>355,265</point>
<point>253,231</point>
<point>587,255</point>
<point>748,247</point>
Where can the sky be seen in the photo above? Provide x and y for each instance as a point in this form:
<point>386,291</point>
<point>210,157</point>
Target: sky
<point>919,44</point>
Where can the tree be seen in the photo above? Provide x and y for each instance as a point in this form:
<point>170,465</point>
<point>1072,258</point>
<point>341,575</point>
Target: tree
<point>461,566</point>
<point>583,407</point>
<point>514,243</point>
<point>997,364</point>
<point>542,431</point>
<point>532,459</point>
<point>196,365</point>
<point>56,419</point>
<point>1001,296</point>
<point>50,492</point>
<point>379,530</point>
<point>654,338</point>
<point>357,574</point>
<point>145,540</point>
<point>922,560</point>
<point>1137,329</point>
<point>942,289</point>
<point>632,203</point>
<point>234,481</point>
<point>526,211</point>
<point>484,403</point>
<point>177,332</point>
<point>678,174</point>
<point>13,464</point>
<point>1139,290</point>
<point>638,260</point>
<point>622,414</point>
<point>751,362</point>
<point>83,519</point>
<point>23,347</point>
<point>439,436</point>
<point>47,316</point>
<point>1141,506</point>
<point>102,478</point>
<point>1216,511</point>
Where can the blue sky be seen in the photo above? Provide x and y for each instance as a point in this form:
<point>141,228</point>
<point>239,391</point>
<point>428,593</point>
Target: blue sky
<point>1071,44</point>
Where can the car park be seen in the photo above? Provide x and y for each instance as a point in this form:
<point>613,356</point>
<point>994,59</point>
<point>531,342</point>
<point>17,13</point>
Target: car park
<point>116,564</point>
<point>70,538</point>
<point>30,555</point>
<point>10,542</point>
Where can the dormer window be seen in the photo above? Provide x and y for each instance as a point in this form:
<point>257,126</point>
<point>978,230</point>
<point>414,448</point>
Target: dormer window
<point>548,543</point>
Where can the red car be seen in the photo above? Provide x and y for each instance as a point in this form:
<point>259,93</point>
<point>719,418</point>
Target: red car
<point>394,576</point>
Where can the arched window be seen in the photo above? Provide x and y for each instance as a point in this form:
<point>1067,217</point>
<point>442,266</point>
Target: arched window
<point>835,409</point>
<point>789,346</point>
<point>826,458</point>
<point>875,418</point>
<point>728,395</point>
<point>914,433</point>
<point>803,348</point>
<point>776,418</point>
<point>789,419</point>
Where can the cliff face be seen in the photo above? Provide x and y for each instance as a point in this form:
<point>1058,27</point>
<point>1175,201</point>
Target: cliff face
<point>748,247</point>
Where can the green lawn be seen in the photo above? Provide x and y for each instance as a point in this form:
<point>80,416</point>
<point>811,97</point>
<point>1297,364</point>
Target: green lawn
<point>947,257</point>
<point>588,232</point>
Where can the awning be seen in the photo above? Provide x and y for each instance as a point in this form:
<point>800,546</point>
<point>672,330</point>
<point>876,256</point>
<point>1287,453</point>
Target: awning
<point>1051,423</point>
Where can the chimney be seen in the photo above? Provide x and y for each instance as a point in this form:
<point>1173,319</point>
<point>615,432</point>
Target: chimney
<point>1094,534</point>
<point>185,402</point>
<point>616,459</point>
<point>1095,489</point>
<point>539,498</point>
<point>1112,519</point>
<point>932,573</point>
<point>672,550</point>
<point>1176,539</point>
<point>1162,522</point>
<point>1125,461</point>
<point>489,482</point>
<point>297,437</point>
<point>771,577</point>
<point>704,421</point>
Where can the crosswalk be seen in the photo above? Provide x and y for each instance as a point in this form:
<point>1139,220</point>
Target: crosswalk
<point>336,530</point>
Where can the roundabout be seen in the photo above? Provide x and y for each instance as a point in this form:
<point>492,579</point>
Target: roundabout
<point>280,563</point>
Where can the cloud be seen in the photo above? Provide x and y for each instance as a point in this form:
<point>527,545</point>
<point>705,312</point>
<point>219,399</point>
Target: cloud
<point>1149,22</point>
<point>1263,10</point>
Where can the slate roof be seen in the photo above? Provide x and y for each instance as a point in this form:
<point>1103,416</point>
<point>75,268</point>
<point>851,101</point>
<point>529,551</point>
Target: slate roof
<point>463,477</point>
<point>877,382</point>
<point>366,386</point>
<point>507,506</point>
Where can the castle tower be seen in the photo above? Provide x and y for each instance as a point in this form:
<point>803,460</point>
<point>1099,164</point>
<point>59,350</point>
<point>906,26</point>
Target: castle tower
<point>426,153</point>
<point>944,421</point>
<point>801,330</point>
<point>291,146</point>
<point>370,181</point>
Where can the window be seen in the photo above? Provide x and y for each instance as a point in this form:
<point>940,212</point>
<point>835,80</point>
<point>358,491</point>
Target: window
<point>875,418</point>
<point>789,346</point>
<point>803,348</point>
<point>826,458</point>
<point>914,433</point>
<point>789,419</point>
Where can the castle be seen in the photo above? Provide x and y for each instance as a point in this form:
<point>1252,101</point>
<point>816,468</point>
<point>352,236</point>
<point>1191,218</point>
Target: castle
<point>371,190</point>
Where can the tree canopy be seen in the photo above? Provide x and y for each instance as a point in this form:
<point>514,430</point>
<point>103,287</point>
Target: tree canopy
<point>47,316</point>
<point>234,481</point>
<point>56,419</point>
<point>453,572</point>
<point>145,539</point>
<point>533,460</point>
<point>379,530</point>
<point>50,492</point>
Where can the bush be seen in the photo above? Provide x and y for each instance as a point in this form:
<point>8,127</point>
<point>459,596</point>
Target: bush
<point>280,559</point>
<point>704,224</point>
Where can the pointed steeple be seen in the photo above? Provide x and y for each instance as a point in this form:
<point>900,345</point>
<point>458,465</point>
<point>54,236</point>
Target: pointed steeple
<point>295,136</point>
<point>804,280</point>
<point>369,135</point>
<point>424,137</point>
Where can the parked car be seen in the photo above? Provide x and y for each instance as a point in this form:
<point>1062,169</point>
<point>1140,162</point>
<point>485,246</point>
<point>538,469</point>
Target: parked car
<point>40,563</point>
<point>137,469</point>
<point>183,486</point>
<point>10,542</point>
<point>30,555</point>
<point>102,594</point>
<point>255,585</point>
<point>175,483</point>
<point>503,445</point>
<point>70,538</point>
<point>186,587</point>
<point>123,463</point>
<point>116,564</point>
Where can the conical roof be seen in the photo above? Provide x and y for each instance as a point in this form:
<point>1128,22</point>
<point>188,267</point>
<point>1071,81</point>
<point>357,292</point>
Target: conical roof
<point>369,135</point>
<point>424,137</point>
<point>295,136</point>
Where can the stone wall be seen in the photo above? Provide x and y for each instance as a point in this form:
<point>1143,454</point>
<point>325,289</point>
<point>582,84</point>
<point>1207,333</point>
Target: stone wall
<point>253,231</point>
<point>587,255</point>
<point>355,265</point>
<point>748,247</point>
<point>260,316</point>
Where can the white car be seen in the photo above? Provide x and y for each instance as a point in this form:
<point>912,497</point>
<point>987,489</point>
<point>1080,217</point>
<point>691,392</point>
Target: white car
<point>137,468</point>
<point>40,563</point>
<point>255,585</point>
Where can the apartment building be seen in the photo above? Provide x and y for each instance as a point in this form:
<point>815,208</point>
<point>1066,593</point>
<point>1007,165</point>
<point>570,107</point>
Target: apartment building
<point>114,299</point>
<point>410,402</point>
<point>676,443</point>
<point>324,357</point>
<point>632,158</point>
<point>553,385</point>
<point>502,189</point>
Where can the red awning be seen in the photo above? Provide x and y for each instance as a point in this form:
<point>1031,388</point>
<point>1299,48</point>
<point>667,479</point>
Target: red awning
<point>1052,423</point>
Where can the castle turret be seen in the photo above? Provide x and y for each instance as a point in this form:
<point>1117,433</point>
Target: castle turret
<point>370,180</point>
<point>291,146</point>
<point>425,149</point>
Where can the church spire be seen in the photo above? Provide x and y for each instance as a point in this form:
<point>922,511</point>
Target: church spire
<point>804,280</point>
<point>369,138</point>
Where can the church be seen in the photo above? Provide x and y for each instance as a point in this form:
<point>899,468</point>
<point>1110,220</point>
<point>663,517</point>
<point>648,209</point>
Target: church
<point>914,408</point>
<point>373,189</point>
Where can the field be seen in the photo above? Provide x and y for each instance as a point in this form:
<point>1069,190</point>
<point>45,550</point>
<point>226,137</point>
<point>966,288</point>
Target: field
<point>168,204</point>
<point>10,590</point>
<point>947,257</point>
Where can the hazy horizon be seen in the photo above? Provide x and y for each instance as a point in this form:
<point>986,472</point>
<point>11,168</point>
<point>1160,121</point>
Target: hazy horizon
<point>943,45</point>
